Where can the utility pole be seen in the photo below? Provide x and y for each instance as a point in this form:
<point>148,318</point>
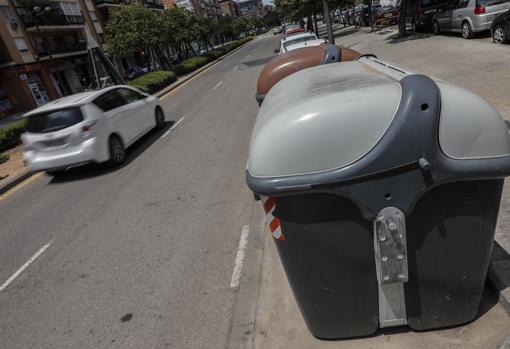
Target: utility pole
<point>327,18</point>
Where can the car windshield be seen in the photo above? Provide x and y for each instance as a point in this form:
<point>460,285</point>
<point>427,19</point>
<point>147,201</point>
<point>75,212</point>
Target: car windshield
<point>54,120</point>
<point>491,2</point>
<point>298,40</point>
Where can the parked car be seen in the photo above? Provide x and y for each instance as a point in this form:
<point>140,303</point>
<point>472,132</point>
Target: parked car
<point>386,16</point>
<point>419,13</point>
<point>88,127</point>
<point>277,30</point>
<point>293,31</point>
<point>133,73</point>
<point>302,37</point>
<point>500,30</point>
<point>468,16</point>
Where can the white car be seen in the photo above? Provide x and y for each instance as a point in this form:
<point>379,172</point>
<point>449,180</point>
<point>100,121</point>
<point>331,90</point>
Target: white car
<point>305,43</point>
<point>87,127</point>
<point>295,39</point>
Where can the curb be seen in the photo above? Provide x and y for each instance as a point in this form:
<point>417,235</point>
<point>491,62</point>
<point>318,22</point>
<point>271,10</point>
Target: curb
<point>499,275</point>
<point>190,76</point>
<point>11,183</point>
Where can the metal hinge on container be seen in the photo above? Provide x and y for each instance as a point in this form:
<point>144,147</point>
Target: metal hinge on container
<point>391,265</point>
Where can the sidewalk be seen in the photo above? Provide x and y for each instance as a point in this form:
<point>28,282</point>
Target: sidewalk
<point>468,63</point>
<point>279,323</point>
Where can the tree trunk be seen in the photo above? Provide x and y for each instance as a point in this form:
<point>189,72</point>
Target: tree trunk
<point>402,30</point>
<point>163,59</point>
<point>315,23</point>
<point>309,24</point>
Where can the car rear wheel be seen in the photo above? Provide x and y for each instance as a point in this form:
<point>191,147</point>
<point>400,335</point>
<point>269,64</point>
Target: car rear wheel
<point>498,35</point>
<point>117,151</point>
<point>160,118</point>
<point>435,28</point>
<point>467,32</point>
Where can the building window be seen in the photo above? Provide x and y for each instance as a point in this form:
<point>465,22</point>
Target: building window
<point>21,45</point>
<point>93,16</point>
<point>7,14</point>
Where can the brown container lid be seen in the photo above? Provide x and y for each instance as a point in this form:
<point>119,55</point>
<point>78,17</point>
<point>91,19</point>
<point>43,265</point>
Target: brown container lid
<point>289,63</point>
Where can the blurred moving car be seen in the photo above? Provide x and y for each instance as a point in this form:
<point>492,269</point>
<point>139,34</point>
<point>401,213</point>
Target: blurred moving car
<point>295,39</point>
<point>468,16</point>
<point>500,29</point>
<point>95,126</point>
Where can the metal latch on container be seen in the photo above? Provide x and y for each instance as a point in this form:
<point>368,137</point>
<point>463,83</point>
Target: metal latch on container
<point>391,265</point>
<point>391,252</point>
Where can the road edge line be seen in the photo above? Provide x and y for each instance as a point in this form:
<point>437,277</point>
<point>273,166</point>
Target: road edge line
<point>166,91</point>
<point>244,314</point>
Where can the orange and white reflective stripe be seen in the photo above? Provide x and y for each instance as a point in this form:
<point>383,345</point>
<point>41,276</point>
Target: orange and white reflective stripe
<point>269,204</point>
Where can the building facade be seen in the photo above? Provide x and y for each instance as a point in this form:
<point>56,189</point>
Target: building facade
<point>201,8</point>
<point>251,8</point>
<point>229,8</point>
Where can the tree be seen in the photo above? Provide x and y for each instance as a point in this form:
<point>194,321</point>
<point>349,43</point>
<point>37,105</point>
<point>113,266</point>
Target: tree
<point>133,28</point>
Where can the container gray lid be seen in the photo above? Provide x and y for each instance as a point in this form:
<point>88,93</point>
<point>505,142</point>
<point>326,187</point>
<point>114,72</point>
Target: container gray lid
<point>321,119</point>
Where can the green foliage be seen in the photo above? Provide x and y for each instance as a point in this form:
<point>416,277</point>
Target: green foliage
<point>191,64</point>
<point>133,27</point>
<point>10,136</point>
<point>4,157</point>
<point>154,81</point>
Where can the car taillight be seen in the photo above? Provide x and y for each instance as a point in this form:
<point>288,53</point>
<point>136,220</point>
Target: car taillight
<point>479,9</point>
<point>88,129</point>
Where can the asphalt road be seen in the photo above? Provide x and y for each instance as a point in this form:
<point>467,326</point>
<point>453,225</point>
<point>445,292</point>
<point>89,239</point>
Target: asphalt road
<point>140,256</point>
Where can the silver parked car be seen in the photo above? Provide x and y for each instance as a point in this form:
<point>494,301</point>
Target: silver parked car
<point>468,16</point>
<point>94,126</point>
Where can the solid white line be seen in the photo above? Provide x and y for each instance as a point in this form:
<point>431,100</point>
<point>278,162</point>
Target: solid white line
<point>25,266</point>
<point>173,127</point>
<point>218,85</point>
<point>238,264</point>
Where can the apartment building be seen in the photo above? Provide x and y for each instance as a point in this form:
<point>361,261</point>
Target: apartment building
<point>43,51</point>
<point>251,8</point>
<point>43,48</point>
<point>229,8</point>
<point>201,8</point>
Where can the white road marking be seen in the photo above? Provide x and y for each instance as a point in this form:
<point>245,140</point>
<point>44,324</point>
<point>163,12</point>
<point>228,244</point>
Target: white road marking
<point>25,266</point>
<point>218,85</point>
<point>238,264</point>
<point>247,56</point>
<point>173,127</point>
<point>236,68</point>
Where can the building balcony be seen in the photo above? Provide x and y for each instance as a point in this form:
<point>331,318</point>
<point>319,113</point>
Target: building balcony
<point>111,3</point>
<point>63,49</point>
<point>155,4</point>
<point>52,22</point>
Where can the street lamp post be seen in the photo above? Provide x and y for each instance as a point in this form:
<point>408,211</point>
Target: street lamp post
<point>38,12</point>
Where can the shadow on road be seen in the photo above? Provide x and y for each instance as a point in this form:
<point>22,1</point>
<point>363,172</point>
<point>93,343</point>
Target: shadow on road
<point>397,39</point>
<point>96,170</point>
<point>346,32</point>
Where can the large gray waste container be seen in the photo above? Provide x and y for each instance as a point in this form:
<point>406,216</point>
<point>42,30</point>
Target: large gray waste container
<point>385,188</point>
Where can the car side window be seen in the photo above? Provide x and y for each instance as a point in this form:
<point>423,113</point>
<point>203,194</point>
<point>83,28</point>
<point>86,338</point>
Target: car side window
<point>109,100</point>
<point>130,96</point>
<point>462,4</point>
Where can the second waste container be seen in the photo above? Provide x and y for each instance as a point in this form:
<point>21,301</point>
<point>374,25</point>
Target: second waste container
<point>293,61</point>
<point>383,188</point>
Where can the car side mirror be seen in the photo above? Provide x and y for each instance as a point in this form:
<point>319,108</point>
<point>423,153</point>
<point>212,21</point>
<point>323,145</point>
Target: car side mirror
<point>276,50</point>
